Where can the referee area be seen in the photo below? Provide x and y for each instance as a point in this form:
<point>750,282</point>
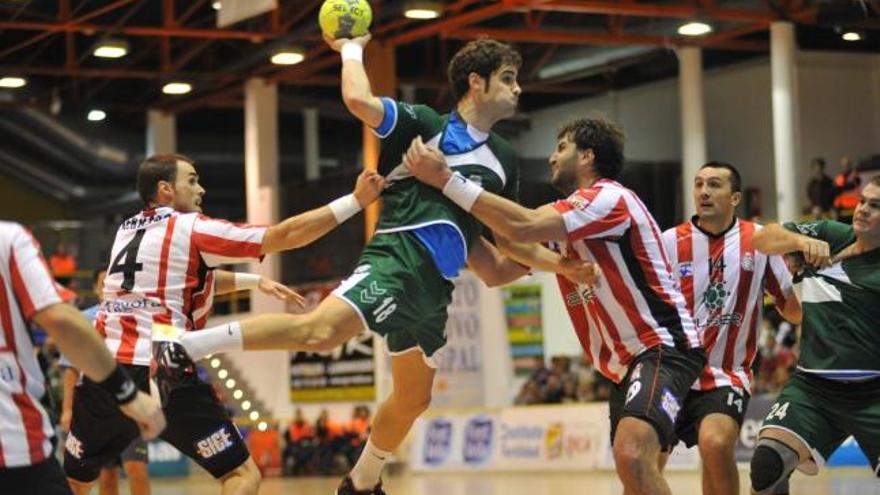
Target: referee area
<point>534,371</point>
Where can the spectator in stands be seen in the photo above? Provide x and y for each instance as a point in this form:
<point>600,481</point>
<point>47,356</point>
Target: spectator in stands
<point>846,185</point>
<point>329,434</point>
<point>569,391</point>
<point>553,389</point>
<point>63,264</point>
<point>530,394</point>
<point>820,190</point>
<point>299,445</point>
<point>356,432</point>
<point>540,371</point>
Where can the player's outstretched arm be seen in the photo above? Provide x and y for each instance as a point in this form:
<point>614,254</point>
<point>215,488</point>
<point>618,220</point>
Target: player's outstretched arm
<point>504,217</point>
<point>776,239</point>
<point>356,91</point>
<point>302,229</point>
<point>82,345</point>
<point>226,282</point>
<point>541,258</point>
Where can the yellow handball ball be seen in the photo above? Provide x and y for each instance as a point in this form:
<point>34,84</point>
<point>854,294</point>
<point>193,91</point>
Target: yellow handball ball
<point>345,18</point>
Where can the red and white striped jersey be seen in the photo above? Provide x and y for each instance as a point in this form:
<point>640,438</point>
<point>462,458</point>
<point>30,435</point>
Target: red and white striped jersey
<point>26,287</point>
<point>161,271</point>
<point>723,280</point>
<point>636,304</point>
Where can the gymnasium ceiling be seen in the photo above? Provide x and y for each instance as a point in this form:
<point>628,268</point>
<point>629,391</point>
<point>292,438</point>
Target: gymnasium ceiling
<point>571,49</point>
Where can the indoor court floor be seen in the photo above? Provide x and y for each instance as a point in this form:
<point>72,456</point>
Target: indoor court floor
<point>838,482</point>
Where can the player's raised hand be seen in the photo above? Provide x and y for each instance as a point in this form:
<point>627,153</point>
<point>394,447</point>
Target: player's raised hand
<point>427,163</point>
<point>146,411</point>
<point>368,187</point>
<point>816,252</point>
<point>336,44</point>
<point>580,271</point>
<point>281,292</point>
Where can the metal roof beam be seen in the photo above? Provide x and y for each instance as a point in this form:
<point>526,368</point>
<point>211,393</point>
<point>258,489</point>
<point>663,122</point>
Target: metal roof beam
<point>49,28</point>
<point>581,38</point>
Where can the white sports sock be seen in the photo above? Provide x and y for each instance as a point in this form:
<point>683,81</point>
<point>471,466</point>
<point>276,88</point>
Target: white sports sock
<point>207,341</point>
<point>366,472</point>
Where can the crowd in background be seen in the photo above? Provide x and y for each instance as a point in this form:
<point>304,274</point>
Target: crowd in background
<point>325,446</point>
<point>566,381</point>
<point>835,197</point>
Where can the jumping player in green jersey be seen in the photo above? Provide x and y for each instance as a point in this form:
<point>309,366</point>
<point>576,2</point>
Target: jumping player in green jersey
<point>402,284</point>
<point>834,391</point>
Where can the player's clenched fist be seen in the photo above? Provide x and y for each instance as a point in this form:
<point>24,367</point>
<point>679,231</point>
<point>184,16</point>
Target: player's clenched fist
<point>580,271</point>
<point>368,187</point>
<point>816,252</point>
<point>426,163</point>
<point>146,411</point>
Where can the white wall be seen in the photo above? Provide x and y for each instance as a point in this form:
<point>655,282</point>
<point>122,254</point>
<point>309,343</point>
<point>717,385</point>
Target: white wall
<point>839,96</point>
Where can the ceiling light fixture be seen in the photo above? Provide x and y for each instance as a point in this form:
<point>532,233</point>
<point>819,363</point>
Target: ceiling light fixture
<point>177,88</point>
<point>694,29</point>
<point>288,56</point>
<point>111,49</point>
<point>422,10</point>
<point>12,82</point>
<point>96,115</point>
<point>216,5</point>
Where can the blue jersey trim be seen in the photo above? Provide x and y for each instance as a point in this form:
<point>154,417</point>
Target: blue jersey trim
<point>389,119</point>
<point>446,247</point>
<point>456,139</point>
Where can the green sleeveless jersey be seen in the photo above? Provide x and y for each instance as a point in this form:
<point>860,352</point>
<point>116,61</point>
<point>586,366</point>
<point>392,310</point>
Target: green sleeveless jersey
<point>840,331</point>
<point>486,159</point>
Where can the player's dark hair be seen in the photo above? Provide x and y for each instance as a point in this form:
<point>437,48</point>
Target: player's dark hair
<point>735,178</point>
<point>154,169</point>
<point>603,137</point>
<point>482,57</point>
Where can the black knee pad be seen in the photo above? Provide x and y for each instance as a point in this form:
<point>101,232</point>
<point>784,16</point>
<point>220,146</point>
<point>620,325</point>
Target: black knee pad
<point>772,464</point>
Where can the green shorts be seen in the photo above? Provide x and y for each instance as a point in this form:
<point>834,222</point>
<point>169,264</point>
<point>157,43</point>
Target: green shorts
<point>823,413</point>
<point>399,294</point>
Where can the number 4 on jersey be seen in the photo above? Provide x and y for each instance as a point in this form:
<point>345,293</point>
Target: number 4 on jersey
<point>126,261</point>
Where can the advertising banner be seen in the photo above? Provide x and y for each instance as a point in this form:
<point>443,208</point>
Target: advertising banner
<point>560,438</point>
<point>459,378</point>
<point>759,408</point>
<point>525,332</point>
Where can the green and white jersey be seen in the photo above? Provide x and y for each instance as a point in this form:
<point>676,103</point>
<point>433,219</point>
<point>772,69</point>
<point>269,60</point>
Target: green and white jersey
<point>486,159</point>
<point>840,331</point>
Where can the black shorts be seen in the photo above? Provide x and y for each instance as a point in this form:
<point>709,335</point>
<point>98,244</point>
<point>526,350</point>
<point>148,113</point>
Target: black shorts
<point>730,401</point>
<point>45,478</point>
<point>654,390</point>
<point>198,426</point>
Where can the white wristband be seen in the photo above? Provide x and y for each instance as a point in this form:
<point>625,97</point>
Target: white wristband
<point>345,207</point>
<point>462,191</point>
<point>352,51</point>
<point>246,281</point>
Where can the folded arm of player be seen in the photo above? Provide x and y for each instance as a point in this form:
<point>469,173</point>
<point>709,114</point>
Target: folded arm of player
<point>226,282</point>
<point>356,91</point>
<point>302,229</point>
<point>78,340</point>
<point>493,268</point>
<point>503,216</point>
<point>776,239</point>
